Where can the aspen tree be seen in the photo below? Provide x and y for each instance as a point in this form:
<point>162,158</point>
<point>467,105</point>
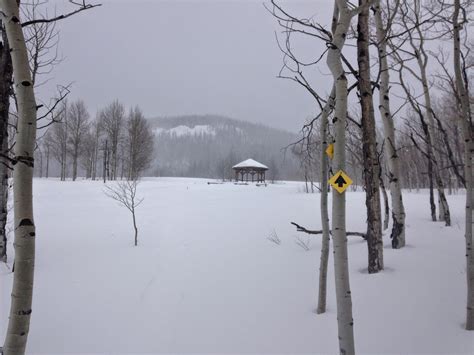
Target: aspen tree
<point>369,145</point>
<point>22,293</point>
<point>323,265</point>
<point>5,93</point>
<point>390,144</point>
<point>466,124</point>
<point>342,17</point>
<point>78,126</point>
<point>417,43</point>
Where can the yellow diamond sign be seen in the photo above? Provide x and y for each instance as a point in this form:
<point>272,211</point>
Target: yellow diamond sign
<point>340,181</point>
<point>330,150</point>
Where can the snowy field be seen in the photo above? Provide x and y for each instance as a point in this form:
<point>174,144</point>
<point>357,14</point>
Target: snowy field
<point>205,278</point>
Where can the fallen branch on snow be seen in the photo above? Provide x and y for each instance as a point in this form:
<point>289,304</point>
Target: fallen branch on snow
<point>308,231</point>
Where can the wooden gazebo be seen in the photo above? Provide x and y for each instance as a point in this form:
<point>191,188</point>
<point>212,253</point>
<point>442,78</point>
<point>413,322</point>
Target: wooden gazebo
<point>250,170</point>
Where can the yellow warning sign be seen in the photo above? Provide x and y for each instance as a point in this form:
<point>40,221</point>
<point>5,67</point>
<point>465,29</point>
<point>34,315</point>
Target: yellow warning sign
<point>330,150</point>
<point>340,181</point>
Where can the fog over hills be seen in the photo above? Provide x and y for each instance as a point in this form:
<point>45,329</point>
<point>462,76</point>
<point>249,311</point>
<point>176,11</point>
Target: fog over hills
<point>209,145</point>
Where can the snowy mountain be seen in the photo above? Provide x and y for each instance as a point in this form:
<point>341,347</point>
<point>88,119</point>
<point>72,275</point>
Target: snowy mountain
<point>208,146</point>
<point>186,131</point>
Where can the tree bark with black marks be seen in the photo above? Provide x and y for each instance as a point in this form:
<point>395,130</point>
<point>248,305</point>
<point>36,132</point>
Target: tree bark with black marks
<point>369,145</point>
<point>6,72</point>
<point>431,187</point>
<point>416,39</point>
<point>466,123</point>
<point>386,207</point>
<point>342,18</point>
<point>391,152</point>
<point>323,264</point>
<point>22,293</point>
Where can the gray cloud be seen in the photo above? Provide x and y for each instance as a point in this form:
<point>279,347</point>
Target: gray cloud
<point>183,57</point>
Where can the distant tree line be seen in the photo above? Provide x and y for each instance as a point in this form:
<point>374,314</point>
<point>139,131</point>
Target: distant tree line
<point>415,170</point>
<point>114,145</point>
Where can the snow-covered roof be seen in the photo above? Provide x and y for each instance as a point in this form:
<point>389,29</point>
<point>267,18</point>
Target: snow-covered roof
<point>250,163</point>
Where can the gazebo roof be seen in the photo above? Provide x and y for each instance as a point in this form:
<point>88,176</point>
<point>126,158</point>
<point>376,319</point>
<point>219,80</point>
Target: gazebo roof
<point>250,163</point>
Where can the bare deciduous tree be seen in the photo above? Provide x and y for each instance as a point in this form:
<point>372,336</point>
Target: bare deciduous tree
<point>324,259</point>
<point>462,87</point>
<point>125,193</point>
<point>77,126</point>
<point>22,292</point>
<point>42,39</point>
<point>6,71</point>
<point>412,18</point>
<point>342,19</point>
<point>60,138</point>
<point>112,118</point>
<point>369,145</point>
<point>139,143</point>
<point>390,144</point>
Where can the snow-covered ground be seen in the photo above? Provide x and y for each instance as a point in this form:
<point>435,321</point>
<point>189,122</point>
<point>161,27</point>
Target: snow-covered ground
<point>205,278</point>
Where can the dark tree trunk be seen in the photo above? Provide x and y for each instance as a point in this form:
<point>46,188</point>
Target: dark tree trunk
<point>135,227</point>
<point>74,163</point>
<point>47,162</point>
<point>6,71</point>
<point>386,208</point>
<point>369,146</point>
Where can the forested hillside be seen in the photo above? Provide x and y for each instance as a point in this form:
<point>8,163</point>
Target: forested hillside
<point>208,146</point>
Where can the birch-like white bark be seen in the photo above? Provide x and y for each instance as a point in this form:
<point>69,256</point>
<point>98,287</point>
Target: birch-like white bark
<point>323,265</point>
<point>422,61</point>
<point>468,160</point>
<point>390,144</point>
<point>443,202</point>
<point>345,321</point>
<point>22,292</point>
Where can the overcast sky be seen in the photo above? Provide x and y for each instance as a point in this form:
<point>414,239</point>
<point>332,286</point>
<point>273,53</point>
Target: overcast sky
<point>185,57</point>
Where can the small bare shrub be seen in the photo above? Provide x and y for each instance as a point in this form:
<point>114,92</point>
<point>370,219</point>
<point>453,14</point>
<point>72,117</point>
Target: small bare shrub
<point>125,193</point>
<point>304,243</point>
<point>274,238</point>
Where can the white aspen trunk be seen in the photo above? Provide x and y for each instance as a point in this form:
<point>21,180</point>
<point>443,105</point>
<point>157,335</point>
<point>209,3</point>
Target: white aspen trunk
<point>323,264</point>
<point>468,235</point>
<point>442,201</point>
<point>466,126</point>
<point>345,321</point>
<point>390,145</point>
<point>369,146</point>
<point>22,293</point>
<point>422,60</point>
